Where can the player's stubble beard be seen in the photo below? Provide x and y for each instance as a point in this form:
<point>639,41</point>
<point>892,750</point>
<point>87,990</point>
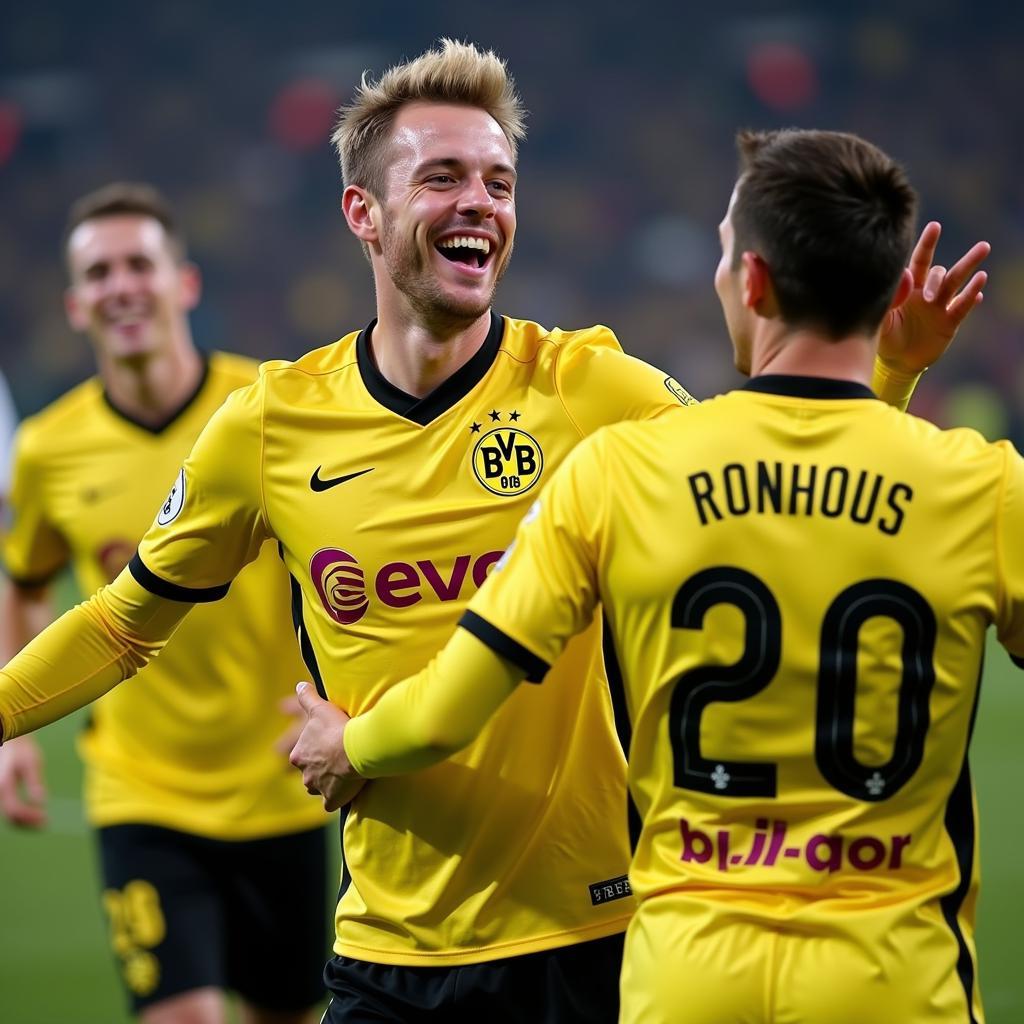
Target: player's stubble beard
<point>413,277</point>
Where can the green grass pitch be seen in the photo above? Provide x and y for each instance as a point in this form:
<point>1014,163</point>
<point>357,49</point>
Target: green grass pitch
<point>55,964</point>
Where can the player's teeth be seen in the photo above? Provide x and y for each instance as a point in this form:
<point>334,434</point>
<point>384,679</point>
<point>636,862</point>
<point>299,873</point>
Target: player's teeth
<point>467,242</point>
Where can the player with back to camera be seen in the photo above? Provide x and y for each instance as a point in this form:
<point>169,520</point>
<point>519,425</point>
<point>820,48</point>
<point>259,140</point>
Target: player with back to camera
<point>213,859</point>
<point>798,580</point>
<point>392,466</point>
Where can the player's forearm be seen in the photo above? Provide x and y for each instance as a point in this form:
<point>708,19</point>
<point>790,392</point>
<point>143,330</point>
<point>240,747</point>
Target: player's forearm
<point>894,387</point>
<point>434,714</point>
<point>83,654</point>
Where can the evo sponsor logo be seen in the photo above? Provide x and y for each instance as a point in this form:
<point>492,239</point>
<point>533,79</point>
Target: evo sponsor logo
<point>822,852</point>
<point>345,590</point>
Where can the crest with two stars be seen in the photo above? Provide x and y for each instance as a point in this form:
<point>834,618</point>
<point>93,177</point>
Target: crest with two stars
<point>507,461</point>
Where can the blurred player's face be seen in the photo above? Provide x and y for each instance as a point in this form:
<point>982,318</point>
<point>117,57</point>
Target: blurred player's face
<point>127,289</point>
<point>729,285</point>
<point>448,216</point>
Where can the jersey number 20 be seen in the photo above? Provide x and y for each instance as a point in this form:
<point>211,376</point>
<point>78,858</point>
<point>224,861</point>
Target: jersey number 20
<point>836,685</point>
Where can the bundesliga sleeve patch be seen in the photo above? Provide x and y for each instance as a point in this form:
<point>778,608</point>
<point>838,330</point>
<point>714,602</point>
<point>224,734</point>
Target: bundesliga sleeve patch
<point>680,392</point>
<point>175,501</point>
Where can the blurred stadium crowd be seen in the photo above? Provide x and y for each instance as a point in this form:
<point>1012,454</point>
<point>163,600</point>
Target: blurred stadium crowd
<point>625,175</point>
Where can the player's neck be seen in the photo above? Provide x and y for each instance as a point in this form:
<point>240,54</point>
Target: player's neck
<point>151,389</point>
<point>808,354</point>
<point>417,358</point>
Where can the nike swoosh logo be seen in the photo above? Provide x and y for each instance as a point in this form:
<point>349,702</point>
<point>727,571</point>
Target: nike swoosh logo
<point>318,483</point>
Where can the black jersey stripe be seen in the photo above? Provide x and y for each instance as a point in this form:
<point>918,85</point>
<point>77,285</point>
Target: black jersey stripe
<point>501,643</point>
<point>961,828</point>
<point>305,644</point>
<point>173,591</point>
<point>445,395</point>
<point>623,723</point>
<point>174,415</point>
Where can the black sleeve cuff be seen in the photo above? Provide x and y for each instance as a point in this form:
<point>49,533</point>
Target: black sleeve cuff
<point>511,650</point>
<point>35,582</point>
<point>172,591</point>
<point>1018,660</point>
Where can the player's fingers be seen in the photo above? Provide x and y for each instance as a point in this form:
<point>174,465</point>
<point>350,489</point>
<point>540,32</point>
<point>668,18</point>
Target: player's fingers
<point>33,781</point>
<point>924,252</point>
<point>933,283</point>
<point>16,810</point>
<point>967,299</point>
<point>288,740</point>
<point>290,706</point>
<point>963,269</point>
<point>307,697</point>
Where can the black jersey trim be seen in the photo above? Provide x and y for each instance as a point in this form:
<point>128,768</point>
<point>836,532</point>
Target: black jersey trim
<point>173,591</point>
<point>623,724</point>
<point>961,828</point>
<point>807,387</point>
<point>305,644</point>
<point>1018,660</point>
<point>501,643</point>
<point>444,396</point>
<point>160,427</point>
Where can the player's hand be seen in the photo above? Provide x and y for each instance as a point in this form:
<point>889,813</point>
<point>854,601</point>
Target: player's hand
<point>320,751</point>
<point>22,788</point>
<point>917,333</point>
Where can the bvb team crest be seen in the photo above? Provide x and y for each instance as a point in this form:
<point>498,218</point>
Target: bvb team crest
<point>507,461</point>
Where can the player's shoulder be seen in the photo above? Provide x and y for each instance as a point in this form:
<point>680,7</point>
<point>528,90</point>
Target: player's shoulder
<point>312,368</point>
<point>69,415</point>
<point>528,341</point>
<point>232,369</point>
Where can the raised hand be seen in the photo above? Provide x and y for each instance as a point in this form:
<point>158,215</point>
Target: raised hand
<point>917,333</point>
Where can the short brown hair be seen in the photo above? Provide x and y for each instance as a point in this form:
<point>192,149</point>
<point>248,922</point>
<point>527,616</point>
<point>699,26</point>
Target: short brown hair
<point>454,72</point>
<point>833,218</point>
<point>127,198</point>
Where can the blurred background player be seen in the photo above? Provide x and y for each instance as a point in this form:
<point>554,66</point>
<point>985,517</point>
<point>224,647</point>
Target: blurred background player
<point>213,857</point>
<point>802,683</point>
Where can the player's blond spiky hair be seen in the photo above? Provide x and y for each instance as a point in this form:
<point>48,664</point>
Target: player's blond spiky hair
<point>452,72</point>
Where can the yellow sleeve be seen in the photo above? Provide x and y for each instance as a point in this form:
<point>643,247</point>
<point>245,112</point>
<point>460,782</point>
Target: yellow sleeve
<point>212,523</point>
<point>599,384</point>
<point>34,550</point>
<point>891,386</point>
<point>1010,555</point>
<point>84,653</point>
<point>434,714</point>
<point>545,588</point>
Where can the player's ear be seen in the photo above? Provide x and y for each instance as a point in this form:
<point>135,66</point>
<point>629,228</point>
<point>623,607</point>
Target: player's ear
<point>77,316</point>
<point>903,289</point>
<point>755,280</point>
<point>360,210</point>
<point>190,283</point>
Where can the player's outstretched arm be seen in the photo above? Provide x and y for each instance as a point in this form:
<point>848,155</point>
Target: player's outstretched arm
<point>84,653</point>
<point>417,723</point>
<point>917,333</point>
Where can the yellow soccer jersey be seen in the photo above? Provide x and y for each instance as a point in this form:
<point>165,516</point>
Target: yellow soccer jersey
<point>798,581</point>
<point>189,744</point>
<point>390,511</point>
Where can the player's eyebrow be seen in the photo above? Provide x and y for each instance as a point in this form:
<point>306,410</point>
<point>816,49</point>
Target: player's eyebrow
<point>453,163</point>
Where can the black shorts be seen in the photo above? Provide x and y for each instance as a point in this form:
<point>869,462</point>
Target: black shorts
<point>576,984</point>
<point>186,912</point>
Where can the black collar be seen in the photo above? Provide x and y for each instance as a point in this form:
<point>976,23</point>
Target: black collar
<point>445,395</point>
<point>159,428</point>
<point>807,387</point>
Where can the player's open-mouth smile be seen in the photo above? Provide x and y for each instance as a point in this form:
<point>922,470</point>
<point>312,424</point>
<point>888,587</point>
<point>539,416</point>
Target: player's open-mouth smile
<point>469,252</point>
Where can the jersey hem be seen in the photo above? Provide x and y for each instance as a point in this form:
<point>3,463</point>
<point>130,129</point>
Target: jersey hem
<point>500,951</point>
